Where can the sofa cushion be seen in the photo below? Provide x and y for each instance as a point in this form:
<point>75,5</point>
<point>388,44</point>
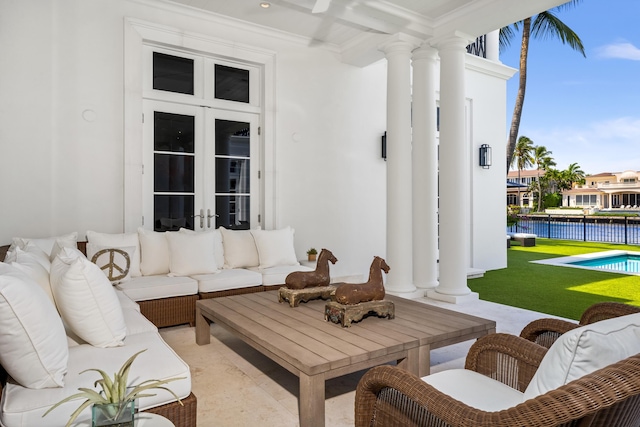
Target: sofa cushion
<point>69,241</point>
<point>125,301</point>
<point>103,261</point>
<point>29,264</point>
<point>30,248</point>
<point>475,390</point>
<point>154,252</point>
<point>155,287</point>
<point>276,275</point>
<point>226,279</point>
<point>275,247</point>
<point>118,241</point>
<point>191,254</point>
<point>239,249</point>
<point>86,300</point>
<point>46,244</point>
<point>584,350</point>
<point>218,248</point>
<point>23,407</point>
<point>33,345</point>
<point>137,323</point>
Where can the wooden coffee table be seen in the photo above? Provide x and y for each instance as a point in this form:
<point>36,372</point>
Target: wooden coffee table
<point>301,341</point>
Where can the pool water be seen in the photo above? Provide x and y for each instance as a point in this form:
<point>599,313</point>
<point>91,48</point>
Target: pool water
<point>621,262</point>
<point>626,263</point>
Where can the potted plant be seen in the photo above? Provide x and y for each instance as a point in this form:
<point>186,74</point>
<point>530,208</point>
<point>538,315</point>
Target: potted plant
<point>114,405</point>
<point>311,254</point>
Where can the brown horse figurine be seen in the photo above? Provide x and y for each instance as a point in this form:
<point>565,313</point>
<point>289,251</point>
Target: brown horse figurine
<point>318,277</point>
<point>372,290</point>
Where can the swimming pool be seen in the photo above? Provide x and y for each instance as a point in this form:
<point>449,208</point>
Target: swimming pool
<point>623,262</point>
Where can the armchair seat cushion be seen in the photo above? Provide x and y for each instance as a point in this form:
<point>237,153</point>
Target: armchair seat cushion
<point>475,390</point>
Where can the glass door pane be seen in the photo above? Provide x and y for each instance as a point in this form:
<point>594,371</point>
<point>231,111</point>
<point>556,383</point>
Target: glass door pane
<point>232,174</point>
<point>173,141</point>
<point>236,170</point>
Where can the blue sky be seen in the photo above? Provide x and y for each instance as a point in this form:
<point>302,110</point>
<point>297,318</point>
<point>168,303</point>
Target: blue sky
<point>585,110</point>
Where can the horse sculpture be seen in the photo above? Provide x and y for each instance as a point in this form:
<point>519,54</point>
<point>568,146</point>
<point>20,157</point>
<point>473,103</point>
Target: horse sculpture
<point>318,277</point>
<point>372,290</point>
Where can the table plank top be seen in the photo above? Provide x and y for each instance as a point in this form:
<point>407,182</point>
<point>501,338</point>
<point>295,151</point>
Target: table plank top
<point>302,339</point>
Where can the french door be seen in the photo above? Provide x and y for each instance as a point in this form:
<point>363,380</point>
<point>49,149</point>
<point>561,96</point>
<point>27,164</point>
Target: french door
<point>200,167</point>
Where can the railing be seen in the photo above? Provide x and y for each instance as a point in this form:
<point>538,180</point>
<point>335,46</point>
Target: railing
<point>622,185</point>
<point>479,47</point>
<point>610,229</point>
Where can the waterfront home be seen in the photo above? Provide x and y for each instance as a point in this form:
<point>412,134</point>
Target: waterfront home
<point>518,184</point>
<point>607,190</point>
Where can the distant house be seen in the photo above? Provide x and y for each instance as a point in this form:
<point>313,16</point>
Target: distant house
<point>521,186</point>
<point>618,190</point>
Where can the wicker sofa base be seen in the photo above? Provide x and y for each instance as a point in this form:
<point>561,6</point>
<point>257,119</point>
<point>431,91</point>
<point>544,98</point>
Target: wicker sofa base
<point>170,311</point>
<point>179,415</point>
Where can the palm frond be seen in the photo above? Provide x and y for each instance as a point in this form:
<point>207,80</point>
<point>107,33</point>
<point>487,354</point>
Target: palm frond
<point>547,25</point>
<point>507,34</point>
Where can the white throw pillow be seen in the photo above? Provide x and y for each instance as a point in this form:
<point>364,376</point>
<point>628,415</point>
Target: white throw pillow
<point>69,241</point>
<point>218,249</point>
<point>33,344</point>
<point>239,249</point>
<point>104,260</point>
<point>154,252</point>
<point>584,350</point>
<point>119,241</point>
<point>191,254</point>
<point>86,300</point>
<point>30,248</point>
<point>275,247</point>
<point>29,264</point>
<point>46,244</point>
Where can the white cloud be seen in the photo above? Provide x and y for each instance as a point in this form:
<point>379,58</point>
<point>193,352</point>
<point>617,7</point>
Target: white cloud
<point>620,50</point>
<point>607,146</point>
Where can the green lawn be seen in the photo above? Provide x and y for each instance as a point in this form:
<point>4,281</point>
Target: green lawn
<point>561,291</point>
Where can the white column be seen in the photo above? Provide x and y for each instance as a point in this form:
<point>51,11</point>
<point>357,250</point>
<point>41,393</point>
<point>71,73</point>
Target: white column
<point>492,46</point>
<point>399,237</point>
<point>425,169</point>
<point>454,174</point>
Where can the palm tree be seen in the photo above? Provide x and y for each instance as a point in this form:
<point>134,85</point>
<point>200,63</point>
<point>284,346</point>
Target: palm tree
<point>574,175</point>
<point>544,24</point>
<point>543,161</point>
<point>522,156</point>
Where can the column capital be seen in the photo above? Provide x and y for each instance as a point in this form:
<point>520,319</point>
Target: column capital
<point>454,40</point>
<point>424,52</point>
<point>399,43</point>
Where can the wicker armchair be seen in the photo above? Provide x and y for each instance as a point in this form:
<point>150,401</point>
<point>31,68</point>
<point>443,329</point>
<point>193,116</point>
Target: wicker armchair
<point>390,396</point>
<point>546,331</point>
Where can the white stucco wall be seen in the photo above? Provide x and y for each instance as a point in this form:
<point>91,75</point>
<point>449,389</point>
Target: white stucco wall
<point>486,90</point>
<point>62,126</point>
<point>62,129</point>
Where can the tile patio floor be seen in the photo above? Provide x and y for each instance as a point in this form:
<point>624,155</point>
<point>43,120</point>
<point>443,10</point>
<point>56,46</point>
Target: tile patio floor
<point>237,386</point>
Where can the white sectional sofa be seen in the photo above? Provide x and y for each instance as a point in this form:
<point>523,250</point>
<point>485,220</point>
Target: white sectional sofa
<point>61,318</point>
<point>168,272</point>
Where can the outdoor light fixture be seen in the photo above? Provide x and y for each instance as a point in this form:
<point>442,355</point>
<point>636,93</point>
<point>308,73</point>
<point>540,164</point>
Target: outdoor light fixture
<point>485,156</point>
<point>384,146</point>
<point>265,5</point>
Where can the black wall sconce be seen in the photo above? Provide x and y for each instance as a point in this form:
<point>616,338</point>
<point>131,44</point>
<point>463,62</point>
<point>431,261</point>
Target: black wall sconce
<point>485,156</point>
<point>384,146</point>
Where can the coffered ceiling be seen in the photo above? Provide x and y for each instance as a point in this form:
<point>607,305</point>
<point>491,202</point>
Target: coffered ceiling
<point>343,24</point>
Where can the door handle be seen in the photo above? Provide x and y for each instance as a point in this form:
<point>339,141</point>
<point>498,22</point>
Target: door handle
<point>201,218</point>
<point>209,216</point>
